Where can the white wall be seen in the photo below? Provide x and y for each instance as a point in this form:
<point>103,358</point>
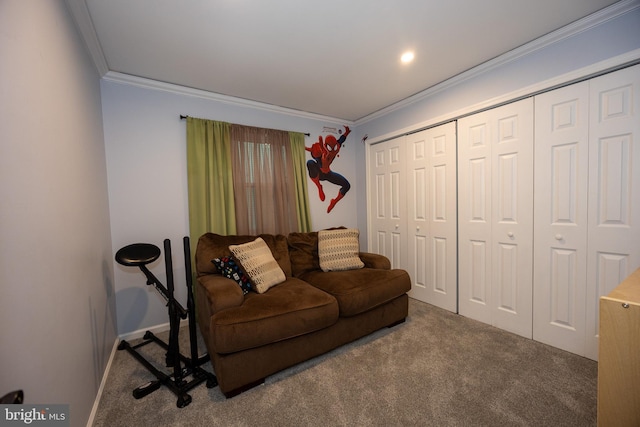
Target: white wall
<point>57,306</point>
<point>590,46</point>
<point>146,161</point>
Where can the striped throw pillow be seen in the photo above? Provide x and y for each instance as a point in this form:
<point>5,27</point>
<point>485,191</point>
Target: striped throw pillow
<point>258,263</point>
<point>339,249</point>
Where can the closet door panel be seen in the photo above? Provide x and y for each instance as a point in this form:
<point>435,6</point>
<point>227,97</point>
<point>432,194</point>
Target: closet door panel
<point>474,217</point>
<point>417,215</point>
<point>495,208</point>
<point>388,201</point>
<point>614,199</point>
<point>431,222</point>
<point>443,217</point>
<point>512,223</point>
<point>560,200</point>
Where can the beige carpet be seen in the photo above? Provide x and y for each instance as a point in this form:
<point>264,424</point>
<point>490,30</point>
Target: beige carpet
<point>436,369</point>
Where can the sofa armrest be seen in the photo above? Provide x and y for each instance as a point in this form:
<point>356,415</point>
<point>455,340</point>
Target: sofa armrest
<point>378,261</point>
<point>220,293</point>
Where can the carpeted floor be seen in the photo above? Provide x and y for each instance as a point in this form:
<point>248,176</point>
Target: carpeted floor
<point>436,369</point>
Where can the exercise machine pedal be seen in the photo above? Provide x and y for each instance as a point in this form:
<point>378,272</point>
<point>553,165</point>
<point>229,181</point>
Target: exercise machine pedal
<point>146,389</point>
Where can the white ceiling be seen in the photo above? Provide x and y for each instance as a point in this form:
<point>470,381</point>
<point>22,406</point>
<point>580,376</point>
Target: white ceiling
<point>335,58</point>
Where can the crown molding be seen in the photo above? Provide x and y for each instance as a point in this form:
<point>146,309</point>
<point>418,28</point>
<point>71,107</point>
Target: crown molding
<point>212,96</point>
<point>584,24</point>
<point>84,24</point>
<point>612,64</point>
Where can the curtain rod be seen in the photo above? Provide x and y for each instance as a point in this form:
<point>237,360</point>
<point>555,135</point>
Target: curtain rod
<point>182,117</point>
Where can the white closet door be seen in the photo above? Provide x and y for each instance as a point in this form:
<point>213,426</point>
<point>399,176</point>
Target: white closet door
<point>513,218</point>
<point>474,217</point>
<point>495,216</point>
<point>387,201</point>
<point>614,189</point>
<point>561,181</point>
<point>431,215</point>
<point>587,207</point>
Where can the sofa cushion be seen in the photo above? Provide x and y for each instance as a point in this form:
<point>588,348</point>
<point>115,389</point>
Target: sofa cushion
<point>360,290</point>
<point>211,246</point>
<point>231,270</point>
<point>303,252</point>
<point>288,310</point>
<point>258,263</point>
<point>338,249</point>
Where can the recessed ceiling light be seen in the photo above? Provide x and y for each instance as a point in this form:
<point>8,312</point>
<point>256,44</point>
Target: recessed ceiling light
<point>407,57</point>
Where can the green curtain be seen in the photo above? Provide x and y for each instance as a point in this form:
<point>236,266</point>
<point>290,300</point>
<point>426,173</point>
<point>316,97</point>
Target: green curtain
<point>210,180</point>
<point>300,175</point>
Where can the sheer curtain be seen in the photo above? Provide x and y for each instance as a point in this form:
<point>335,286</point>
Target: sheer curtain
<point>263,181</point>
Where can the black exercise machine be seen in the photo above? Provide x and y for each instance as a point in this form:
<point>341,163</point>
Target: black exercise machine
<point>13,398</point>
<point>139,255</point>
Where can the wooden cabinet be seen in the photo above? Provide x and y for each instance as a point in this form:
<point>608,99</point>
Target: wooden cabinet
<point>619,358</point>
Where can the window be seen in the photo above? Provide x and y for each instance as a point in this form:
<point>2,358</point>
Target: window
<point>263,181</point>
<point>251,183</point>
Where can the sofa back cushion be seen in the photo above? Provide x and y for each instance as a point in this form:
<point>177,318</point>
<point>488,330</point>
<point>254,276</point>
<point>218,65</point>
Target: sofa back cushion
<point>303,252</point>
<point>211,245</point>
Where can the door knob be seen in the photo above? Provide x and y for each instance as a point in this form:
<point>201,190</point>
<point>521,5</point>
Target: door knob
<point>559,237</point>
<point>418,228</point>
<point>510,234</point>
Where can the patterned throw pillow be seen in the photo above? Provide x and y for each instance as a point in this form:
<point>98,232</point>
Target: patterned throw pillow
<point>229,269</point>
<point>339,249</point>
<point>258,263</point>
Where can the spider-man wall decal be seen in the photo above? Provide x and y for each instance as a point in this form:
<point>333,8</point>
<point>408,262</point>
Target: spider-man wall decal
<point>324,153</point>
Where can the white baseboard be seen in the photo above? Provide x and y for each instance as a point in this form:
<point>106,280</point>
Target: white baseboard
<point>163,327</point>
<point>107,368</point>
<point>128,336</point>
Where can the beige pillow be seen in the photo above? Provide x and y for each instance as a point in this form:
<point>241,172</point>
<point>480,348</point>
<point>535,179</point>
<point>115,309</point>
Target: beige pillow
<point>258,263</point>
<point>338,249</point>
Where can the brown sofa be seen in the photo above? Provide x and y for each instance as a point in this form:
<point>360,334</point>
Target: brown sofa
<point>252,336</point>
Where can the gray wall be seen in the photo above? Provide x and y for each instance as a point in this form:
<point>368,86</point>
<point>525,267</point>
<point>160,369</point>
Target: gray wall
<point>57,306</point>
